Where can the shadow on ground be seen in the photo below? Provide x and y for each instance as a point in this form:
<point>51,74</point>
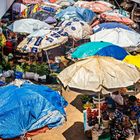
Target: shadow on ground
<point>75,132</point>
<point>78,103</point>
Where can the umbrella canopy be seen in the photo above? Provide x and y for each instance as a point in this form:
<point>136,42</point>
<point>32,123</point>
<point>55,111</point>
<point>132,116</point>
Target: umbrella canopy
<point>118,36</point>
<point>101,49</point>
<point>76,12</point>
<point>42,40</point>
<point>26,106</point>
<point>110,25</point>
<point>135,60</point>
<point>116,16</point>
<point>28,25</point>
<point>18,7</point>
<point>96,6</point>
<point>76,29</point>
<point>44,16</point>
<point>99,74</point>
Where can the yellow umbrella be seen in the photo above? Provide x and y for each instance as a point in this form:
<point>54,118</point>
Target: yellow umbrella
<point>135,60</point>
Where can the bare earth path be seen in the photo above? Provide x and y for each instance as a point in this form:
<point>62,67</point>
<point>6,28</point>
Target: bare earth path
<point>73,128</point>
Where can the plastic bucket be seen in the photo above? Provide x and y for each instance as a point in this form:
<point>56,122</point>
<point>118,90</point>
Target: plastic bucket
<point>105,123</point>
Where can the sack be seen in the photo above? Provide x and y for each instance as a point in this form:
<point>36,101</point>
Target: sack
<point>29,75</point>
<point>118,99</point>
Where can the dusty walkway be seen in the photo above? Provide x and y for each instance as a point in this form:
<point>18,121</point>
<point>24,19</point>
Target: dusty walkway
<point>73,128</point>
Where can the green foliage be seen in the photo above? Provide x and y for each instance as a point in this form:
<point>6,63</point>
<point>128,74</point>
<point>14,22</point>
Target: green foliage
<point>41,69</point>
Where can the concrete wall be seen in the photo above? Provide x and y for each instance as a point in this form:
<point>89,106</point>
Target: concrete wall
<point>4,6</point>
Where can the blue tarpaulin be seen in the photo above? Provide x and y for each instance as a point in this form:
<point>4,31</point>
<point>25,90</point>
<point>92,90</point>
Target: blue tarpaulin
<point>28,108</point>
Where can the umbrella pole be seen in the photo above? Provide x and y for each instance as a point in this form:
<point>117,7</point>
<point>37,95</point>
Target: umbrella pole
<point>29,58</point>
<point>99,97</point>
<point>73,43</point>
<point>48,60</point>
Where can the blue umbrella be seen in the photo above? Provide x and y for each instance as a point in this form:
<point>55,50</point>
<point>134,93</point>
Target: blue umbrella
<point>110,25</point>
<point>99,48</point>
<point>29,107</point>
<point>76,12</point>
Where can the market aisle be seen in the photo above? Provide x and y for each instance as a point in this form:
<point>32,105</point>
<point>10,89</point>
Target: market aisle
<point>73,128</point>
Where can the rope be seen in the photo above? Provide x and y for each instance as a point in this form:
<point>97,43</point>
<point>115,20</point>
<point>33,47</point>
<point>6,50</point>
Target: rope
<point>117,4</point>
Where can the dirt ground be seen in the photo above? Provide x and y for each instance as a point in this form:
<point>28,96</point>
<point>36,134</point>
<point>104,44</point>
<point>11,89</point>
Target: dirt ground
<point>72,129</point>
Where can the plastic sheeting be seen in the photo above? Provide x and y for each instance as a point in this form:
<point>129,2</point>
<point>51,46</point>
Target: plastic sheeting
<point>101,49</point>
<point>27,107</point>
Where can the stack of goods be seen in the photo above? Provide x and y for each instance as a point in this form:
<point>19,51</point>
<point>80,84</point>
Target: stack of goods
<point>92,117</point>
<point>120,115</point>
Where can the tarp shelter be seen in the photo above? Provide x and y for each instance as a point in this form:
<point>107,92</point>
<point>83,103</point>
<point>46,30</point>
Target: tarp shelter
<point>26,106</point>
<point>4,6</point>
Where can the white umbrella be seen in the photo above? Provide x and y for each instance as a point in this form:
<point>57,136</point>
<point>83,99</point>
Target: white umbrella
<point>117,36</point>
<point>77,29</point>
<point>28,25</point>
<point>36,43</point>
<point>40,33</point>
<point>99,74</point>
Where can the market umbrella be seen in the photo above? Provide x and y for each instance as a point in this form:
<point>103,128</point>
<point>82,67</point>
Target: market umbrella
<point>18,7</point>
<point>99,74</point>
<point>116,16</point>
<point>26,106</point>
<point>99,48</point>
<point>44,16</point>
<point>42,40</point>
<point>135,60</point>
<point>110,25</point>
<point>76,12</point>
<point>118,36</point>
<point>95,6</point>
<point>28,25</point>
<point>76,29</point>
